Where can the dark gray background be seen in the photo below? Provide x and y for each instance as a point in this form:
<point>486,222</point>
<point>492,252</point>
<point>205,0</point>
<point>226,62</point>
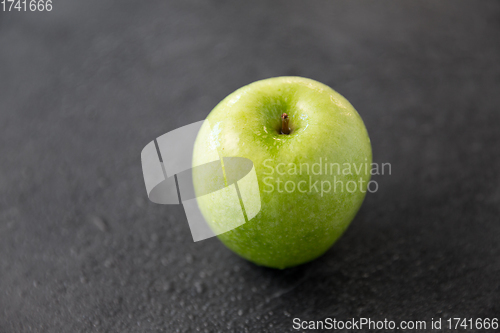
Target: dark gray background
<point>84,88</point>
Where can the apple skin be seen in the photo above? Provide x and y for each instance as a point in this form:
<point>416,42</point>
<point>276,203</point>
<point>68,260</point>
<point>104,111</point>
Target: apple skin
<point>291,228</point>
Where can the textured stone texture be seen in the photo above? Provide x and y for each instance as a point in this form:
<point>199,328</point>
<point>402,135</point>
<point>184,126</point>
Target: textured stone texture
<point>84,88</point>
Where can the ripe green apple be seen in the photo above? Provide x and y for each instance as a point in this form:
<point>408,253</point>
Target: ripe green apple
<point>290,128</point>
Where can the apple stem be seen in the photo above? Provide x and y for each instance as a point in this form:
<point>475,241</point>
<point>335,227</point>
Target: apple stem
<point>284,124</point>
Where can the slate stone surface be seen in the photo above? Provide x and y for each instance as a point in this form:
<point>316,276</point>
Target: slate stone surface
<point>85,87</point>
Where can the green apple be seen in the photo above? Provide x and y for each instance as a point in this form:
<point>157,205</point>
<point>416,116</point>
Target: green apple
<point>301,136</point>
